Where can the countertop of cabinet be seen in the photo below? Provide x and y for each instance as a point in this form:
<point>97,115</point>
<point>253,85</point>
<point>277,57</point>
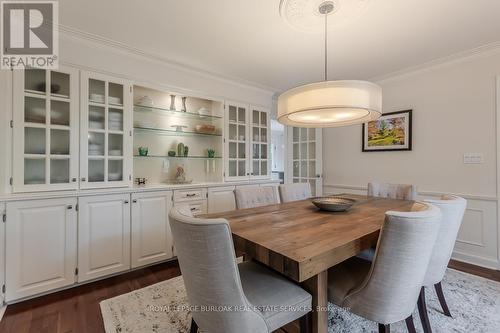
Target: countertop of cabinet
<point>124,190</point>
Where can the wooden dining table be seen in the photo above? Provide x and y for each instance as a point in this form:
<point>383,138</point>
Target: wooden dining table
<point>302,243</point>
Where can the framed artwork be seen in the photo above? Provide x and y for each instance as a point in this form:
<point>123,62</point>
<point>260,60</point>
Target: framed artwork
<point>392,131</point>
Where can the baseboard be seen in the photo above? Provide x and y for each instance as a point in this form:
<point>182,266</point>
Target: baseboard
<point>476,260</point>
<point>2,311</point>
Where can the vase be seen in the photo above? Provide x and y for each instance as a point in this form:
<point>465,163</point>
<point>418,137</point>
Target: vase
<point>184,104</point>
<point>180,149</point>
<point>172,102</point>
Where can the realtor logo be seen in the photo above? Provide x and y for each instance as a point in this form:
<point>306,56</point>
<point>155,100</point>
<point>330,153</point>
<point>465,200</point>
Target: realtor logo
<point>29,34</point>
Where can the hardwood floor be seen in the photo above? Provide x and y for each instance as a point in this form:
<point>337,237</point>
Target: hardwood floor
<point>77,309</point>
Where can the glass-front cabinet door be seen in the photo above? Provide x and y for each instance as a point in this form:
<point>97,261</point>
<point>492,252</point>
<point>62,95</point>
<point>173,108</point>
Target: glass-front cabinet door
<point>236,141</point>
<point>260,143</point>
<point>106,131</point>
<point>45,123</point>
<point>305,162</point>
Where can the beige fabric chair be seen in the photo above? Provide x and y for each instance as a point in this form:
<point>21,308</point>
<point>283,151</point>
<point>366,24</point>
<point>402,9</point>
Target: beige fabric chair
<point>255,196</point>
<point>452,209</point>
<point>250,297</point>
<point>295,192</point>
<point>393,191</point>
<point>386,291</point>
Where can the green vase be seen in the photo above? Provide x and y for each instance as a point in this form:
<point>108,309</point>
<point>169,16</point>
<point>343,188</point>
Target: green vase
<point>180,149</point>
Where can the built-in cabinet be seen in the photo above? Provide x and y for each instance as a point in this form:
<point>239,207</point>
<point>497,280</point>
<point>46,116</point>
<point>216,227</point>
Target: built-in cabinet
<point>45,129</point>
<point>106,131</point>
<point>41,246</point>
<point>103,235</point>
<point>247,142</point>
<point>3,215</point>
<point>151,237</point>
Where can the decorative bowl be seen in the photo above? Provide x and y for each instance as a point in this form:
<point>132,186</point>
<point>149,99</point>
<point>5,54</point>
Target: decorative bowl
<point>205,129</point>
<point>333,204</point>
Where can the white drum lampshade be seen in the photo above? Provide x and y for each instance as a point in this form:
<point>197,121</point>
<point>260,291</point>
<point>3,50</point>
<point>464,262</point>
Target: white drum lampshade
<point>330,104</point>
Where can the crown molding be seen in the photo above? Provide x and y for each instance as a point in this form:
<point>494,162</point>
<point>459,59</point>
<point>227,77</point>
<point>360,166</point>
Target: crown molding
<point>459,57</point>
<point>79,34</point>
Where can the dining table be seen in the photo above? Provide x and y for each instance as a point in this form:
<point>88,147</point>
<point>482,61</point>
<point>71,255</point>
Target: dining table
<point>302,242</point>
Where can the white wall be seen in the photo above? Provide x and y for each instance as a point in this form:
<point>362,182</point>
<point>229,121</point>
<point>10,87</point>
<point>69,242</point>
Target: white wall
<point>453,113</point>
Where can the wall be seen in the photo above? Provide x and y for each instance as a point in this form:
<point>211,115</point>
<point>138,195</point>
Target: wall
<point>453,113</point>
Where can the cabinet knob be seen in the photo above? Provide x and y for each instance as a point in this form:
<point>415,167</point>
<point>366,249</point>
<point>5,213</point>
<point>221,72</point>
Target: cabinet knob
<point>83,179</point>
<point>125,202</point>
<point>134,201</point>
<point>73,180</point>
<point>70,207</point>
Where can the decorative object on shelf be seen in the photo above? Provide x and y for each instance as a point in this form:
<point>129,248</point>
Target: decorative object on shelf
<point>180,174</point>
<point>143,151</point>
<point>115,100</point>
<point>98,98</point>
<point>140,181</point>
<point>205,129</point>
<point>180,149</point>
<point>145,101</point>
<point>171,153</point>
<point>333,204</point>
<point>54,88</point>
<point>186,151</point>
<point>211,152</point>
<point>179,128</point>
<point>172,102</point>
<point>203,111</point>
<point>392,131</point>
<point>184,104</point>
<point>327,103</point>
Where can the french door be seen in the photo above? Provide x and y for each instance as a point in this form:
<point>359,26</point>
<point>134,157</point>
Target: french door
<point>304,163</point>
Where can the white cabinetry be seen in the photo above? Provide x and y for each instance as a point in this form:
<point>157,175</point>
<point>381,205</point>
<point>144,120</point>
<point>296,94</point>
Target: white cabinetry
<point>247,142</point>
<point>3,216</point>
<point>103,235</point>
<point>194,200</point>
<point>45,122</point>
<point>40,246</point>
<point>221,199</point>
<point>151,236</point>
<point>106,131</point>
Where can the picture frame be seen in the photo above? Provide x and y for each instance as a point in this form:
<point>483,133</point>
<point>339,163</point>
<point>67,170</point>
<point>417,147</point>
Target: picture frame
<point>391,132</point>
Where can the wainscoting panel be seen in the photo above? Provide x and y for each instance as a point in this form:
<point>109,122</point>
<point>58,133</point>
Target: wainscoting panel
<point>477,241</point>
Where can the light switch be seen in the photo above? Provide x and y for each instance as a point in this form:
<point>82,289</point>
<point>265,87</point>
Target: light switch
<point>473,158</point>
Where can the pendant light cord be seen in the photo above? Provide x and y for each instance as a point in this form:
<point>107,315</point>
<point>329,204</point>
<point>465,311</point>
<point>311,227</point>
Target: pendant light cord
<point>326,46</point>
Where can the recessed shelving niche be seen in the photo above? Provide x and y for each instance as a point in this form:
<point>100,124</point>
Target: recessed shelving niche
<point>161,125</point>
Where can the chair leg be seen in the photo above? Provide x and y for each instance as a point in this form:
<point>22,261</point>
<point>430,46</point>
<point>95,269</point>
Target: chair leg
<point>305,323</point>
<point>194,327</point>
<point>384,328</point>
<point>410,325</point>
<point>442,300</point>
<point>422,311</point>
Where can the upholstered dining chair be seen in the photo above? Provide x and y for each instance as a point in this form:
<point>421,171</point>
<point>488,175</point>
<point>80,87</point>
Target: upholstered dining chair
<point>295,192</point>
<point>453,209</point>
<point>386,291</point>
<point>255,196</point>
<point>393,191</point>
<point>246,297</point>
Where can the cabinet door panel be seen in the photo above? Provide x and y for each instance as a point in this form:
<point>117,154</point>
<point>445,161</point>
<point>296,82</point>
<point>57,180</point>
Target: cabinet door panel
<point>32,227</point>
<point>151,237</point>
<point>237,141</point>
<point>103,236</point>
<point>221,199</point>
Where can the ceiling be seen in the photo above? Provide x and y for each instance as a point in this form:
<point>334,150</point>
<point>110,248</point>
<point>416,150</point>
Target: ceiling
<point>248,40</point>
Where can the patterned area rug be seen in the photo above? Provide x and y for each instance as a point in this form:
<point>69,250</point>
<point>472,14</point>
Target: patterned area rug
<point>473,301</point>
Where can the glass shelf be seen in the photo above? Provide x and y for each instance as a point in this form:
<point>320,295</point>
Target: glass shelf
<point>179,157</point>
<point>162,131</point>
<point>192,115</point>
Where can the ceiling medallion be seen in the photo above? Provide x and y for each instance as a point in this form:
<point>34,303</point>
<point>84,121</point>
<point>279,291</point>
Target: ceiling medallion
<point>303,15</point>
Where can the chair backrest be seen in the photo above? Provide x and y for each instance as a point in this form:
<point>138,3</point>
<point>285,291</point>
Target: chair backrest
<point>452,209</point>
<point>393,191</point>
<point>207,261</point>
<point>390,291</point>
<point>295,192</point>
<point>255,196</point>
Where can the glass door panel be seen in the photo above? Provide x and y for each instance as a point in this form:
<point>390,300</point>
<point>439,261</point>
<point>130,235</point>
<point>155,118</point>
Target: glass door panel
<point>34,140</point>
<point>35,81</point>
<point>304,165</point>
<point>96,91</point>
<point>59,113</point>
<point>59,171</point>
<point>59,84</point>
<point>34,171</point>
<point>34,110</point>
<point>237,141</point>
<point>259,140</point>
<point>59,142</point>
<point>96,170</point>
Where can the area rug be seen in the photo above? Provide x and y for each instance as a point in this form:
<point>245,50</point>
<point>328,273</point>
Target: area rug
<point>473,301</point>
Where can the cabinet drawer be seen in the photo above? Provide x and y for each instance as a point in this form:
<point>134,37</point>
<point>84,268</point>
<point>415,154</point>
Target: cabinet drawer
<point>196,207</point>
<point>190,195</point>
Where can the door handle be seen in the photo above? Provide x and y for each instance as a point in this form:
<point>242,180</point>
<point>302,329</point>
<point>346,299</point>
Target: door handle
<point>70,207</point>
<point>134,201</point>
<point>73,180</point>
<point>189,195</point>
<point>83,179</point>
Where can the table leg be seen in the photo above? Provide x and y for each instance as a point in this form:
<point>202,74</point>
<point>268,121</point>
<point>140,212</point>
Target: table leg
<point>317,286</point>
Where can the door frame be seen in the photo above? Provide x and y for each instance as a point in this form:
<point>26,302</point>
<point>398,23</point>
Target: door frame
<point>497,114</point>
